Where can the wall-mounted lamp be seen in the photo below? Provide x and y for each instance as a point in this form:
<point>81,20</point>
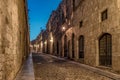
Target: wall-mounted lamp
<point>63,28</point>
<point>45,42</point>
<point>41,44</point>
<point>51,40</point>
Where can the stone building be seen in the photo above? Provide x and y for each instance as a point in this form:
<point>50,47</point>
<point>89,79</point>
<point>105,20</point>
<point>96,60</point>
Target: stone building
<point>14,37</point>
<point>40,43</point>
<point>43,42</point>
<point>94,36</point>
<point>33,46</point>
<point>59,19</point>
<point>86,31</point>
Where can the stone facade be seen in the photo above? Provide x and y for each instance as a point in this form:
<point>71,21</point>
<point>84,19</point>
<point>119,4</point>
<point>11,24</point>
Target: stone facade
<point>59,19</point>
<point>40,43</point>
<point>93,28</point>
<point>91,32</point>
<point>14,37</point>
<point>90,12</point>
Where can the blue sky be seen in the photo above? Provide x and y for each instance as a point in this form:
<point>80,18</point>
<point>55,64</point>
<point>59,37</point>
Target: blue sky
<point>39,12</point>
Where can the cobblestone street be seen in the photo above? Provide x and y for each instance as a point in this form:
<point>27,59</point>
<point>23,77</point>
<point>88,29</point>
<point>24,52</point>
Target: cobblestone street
<point>48,67</point>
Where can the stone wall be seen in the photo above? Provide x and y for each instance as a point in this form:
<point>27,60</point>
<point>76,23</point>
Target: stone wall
<point>14,37</point>
<point>90,13</point>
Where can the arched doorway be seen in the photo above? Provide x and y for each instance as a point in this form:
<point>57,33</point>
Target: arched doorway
<point>73,54</point>
<point>43,48</point>
<point>53,47</point>
<point>65,46</point>
<point>81,46</point>
<point>69,49</point>
<point>57,47</point>
<point>48,49</point>
<point>105,50</point>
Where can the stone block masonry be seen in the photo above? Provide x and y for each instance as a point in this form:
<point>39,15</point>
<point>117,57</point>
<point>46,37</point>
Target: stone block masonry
<point>14,37</point>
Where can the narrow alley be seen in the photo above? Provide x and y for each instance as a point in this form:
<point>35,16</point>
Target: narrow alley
<point>59,39</point>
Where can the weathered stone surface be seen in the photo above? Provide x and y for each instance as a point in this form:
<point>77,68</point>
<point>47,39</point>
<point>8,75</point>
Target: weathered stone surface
<point>50,68</point>
<point>93,28</point>
<point>14,37</point>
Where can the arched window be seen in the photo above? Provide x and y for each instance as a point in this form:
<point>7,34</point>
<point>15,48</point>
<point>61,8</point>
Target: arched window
<point>105,50</point>
<point>81,47</point>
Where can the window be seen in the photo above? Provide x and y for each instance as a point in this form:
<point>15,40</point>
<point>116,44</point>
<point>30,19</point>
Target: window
<point>81,24</point>
<point>104,15</point>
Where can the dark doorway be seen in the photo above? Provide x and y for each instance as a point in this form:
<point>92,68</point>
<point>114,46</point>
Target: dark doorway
<point>69,49</point>
<point>73,4</point>
<point>65,46</point>
<point>57,47</point>
<point>81,47</point>
<point>48,49</point>
<point>73,54</point>
<point>43,48</point>
<point>105,50</point>
<point>53,48</point>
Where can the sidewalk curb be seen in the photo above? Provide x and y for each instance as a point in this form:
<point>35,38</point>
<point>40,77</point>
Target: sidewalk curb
<point>22,73</point>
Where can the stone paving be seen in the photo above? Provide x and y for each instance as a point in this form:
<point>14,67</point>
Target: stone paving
<point>47,67</point>
<point>27,71</point>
